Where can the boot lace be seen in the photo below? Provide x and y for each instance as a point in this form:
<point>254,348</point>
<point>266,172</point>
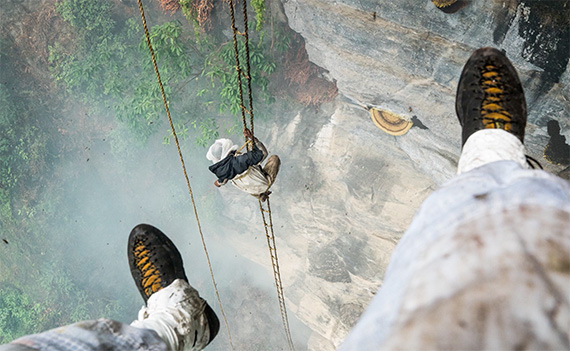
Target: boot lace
<point>493,112</point>
<point>151,280</point>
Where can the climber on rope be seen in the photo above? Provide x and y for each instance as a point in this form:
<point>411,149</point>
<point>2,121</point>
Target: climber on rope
<point>244,170</point>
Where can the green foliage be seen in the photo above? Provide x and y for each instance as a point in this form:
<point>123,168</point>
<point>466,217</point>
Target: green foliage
<point>62,302</point>
<point>167,43</point>
<point>112,310</point>
<point>181,133</point>
<point>8,131</point>
<point>259,8</point>
<point>191,15</point>
<point>208,131</point>
<point>281,40</point>
<point>113,69</point>
<point>18,314</point>
<point>219,67</point>
<point>90,15</point>
<point>109,65</point>
<point>5,207</point>
<point>67,302</point>
<point>22,151</point>
<point>187,9</point>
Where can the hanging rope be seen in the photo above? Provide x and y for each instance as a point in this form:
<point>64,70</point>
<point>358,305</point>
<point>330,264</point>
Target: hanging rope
<point>183,168</point>
<point>267,223</point>
<point>247,66</point>
<point>235,32</point>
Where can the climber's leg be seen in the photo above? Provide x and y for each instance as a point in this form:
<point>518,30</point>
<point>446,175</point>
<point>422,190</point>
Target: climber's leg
<point>485,261</point>
<point>271,168</point>
<point>175,318</point>
<point>94,335</point>
<point>174,309</point>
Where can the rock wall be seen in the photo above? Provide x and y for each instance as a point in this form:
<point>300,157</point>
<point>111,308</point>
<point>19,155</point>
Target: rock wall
<point>408,59</point>
<point>345,195</point>
<point>347,191</point>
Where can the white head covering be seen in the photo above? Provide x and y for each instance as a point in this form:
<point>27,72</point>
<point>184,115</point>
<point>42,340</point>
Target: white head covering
<point>220,149</point>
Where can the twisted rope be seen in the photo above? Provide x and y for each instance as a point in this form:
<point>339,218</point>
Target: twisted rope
<point>267,226</point>
<point>147,36</point>
<point>276,273</point>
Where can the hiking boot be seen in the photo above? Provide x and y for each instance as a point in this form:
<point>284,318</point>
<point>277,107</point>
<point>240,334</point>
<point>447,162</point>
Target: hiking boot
<point>174,309</point>
<point>153,259</point>
<point>490,95</point>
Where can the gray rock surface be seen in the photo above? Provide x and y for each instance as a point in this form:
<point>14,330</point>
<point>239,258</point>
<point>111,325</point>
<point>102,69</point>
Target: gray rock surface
<point>344,196</point>
<point>408,60</point>
<point>347,191</point>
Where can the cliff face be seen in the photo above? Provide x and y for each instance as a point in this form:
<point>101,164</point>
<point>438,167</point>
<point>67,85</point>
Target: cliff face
<point>347,191</point>
<point>345,194</point>
<point>407,59</point>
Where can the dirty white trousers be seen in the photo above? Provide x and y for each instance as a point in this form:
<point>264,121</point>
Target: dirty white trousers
<point>484,265</point>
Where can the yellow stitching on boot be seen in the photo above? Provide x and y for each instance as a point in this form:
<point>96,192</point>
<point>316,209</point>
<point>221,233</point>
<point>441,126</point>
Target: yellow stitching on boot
<point>151,281</point>
<point>493,114</point>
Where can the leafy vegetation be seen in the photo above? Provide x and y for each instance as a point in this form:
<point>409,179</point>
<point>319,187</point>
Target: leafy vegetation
<point>61,303</point>
<point>126,81</point>
<point>22,153</point>
<point>99,59</point>
<point>30,196</point>
<point>111,67</point>
<point>219,67</point>
<point>259,8</point>
<point>18,314</point>
<point>221,89</point>
<point>90,15</point>
<point>197,12</point>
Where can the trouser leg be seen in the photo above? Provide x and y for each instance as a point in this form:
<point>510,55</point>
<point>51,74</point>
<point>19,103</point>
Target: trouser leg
<point>180,317</point>
<point>477,268</point>
<point>491,145</point>
<point>92,335</point>
<point>271,168</point>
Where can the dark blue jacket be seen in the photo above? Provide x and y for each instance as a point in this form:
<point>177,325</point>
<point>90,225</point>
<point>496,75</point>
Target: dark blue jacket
<point>230,166</point>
